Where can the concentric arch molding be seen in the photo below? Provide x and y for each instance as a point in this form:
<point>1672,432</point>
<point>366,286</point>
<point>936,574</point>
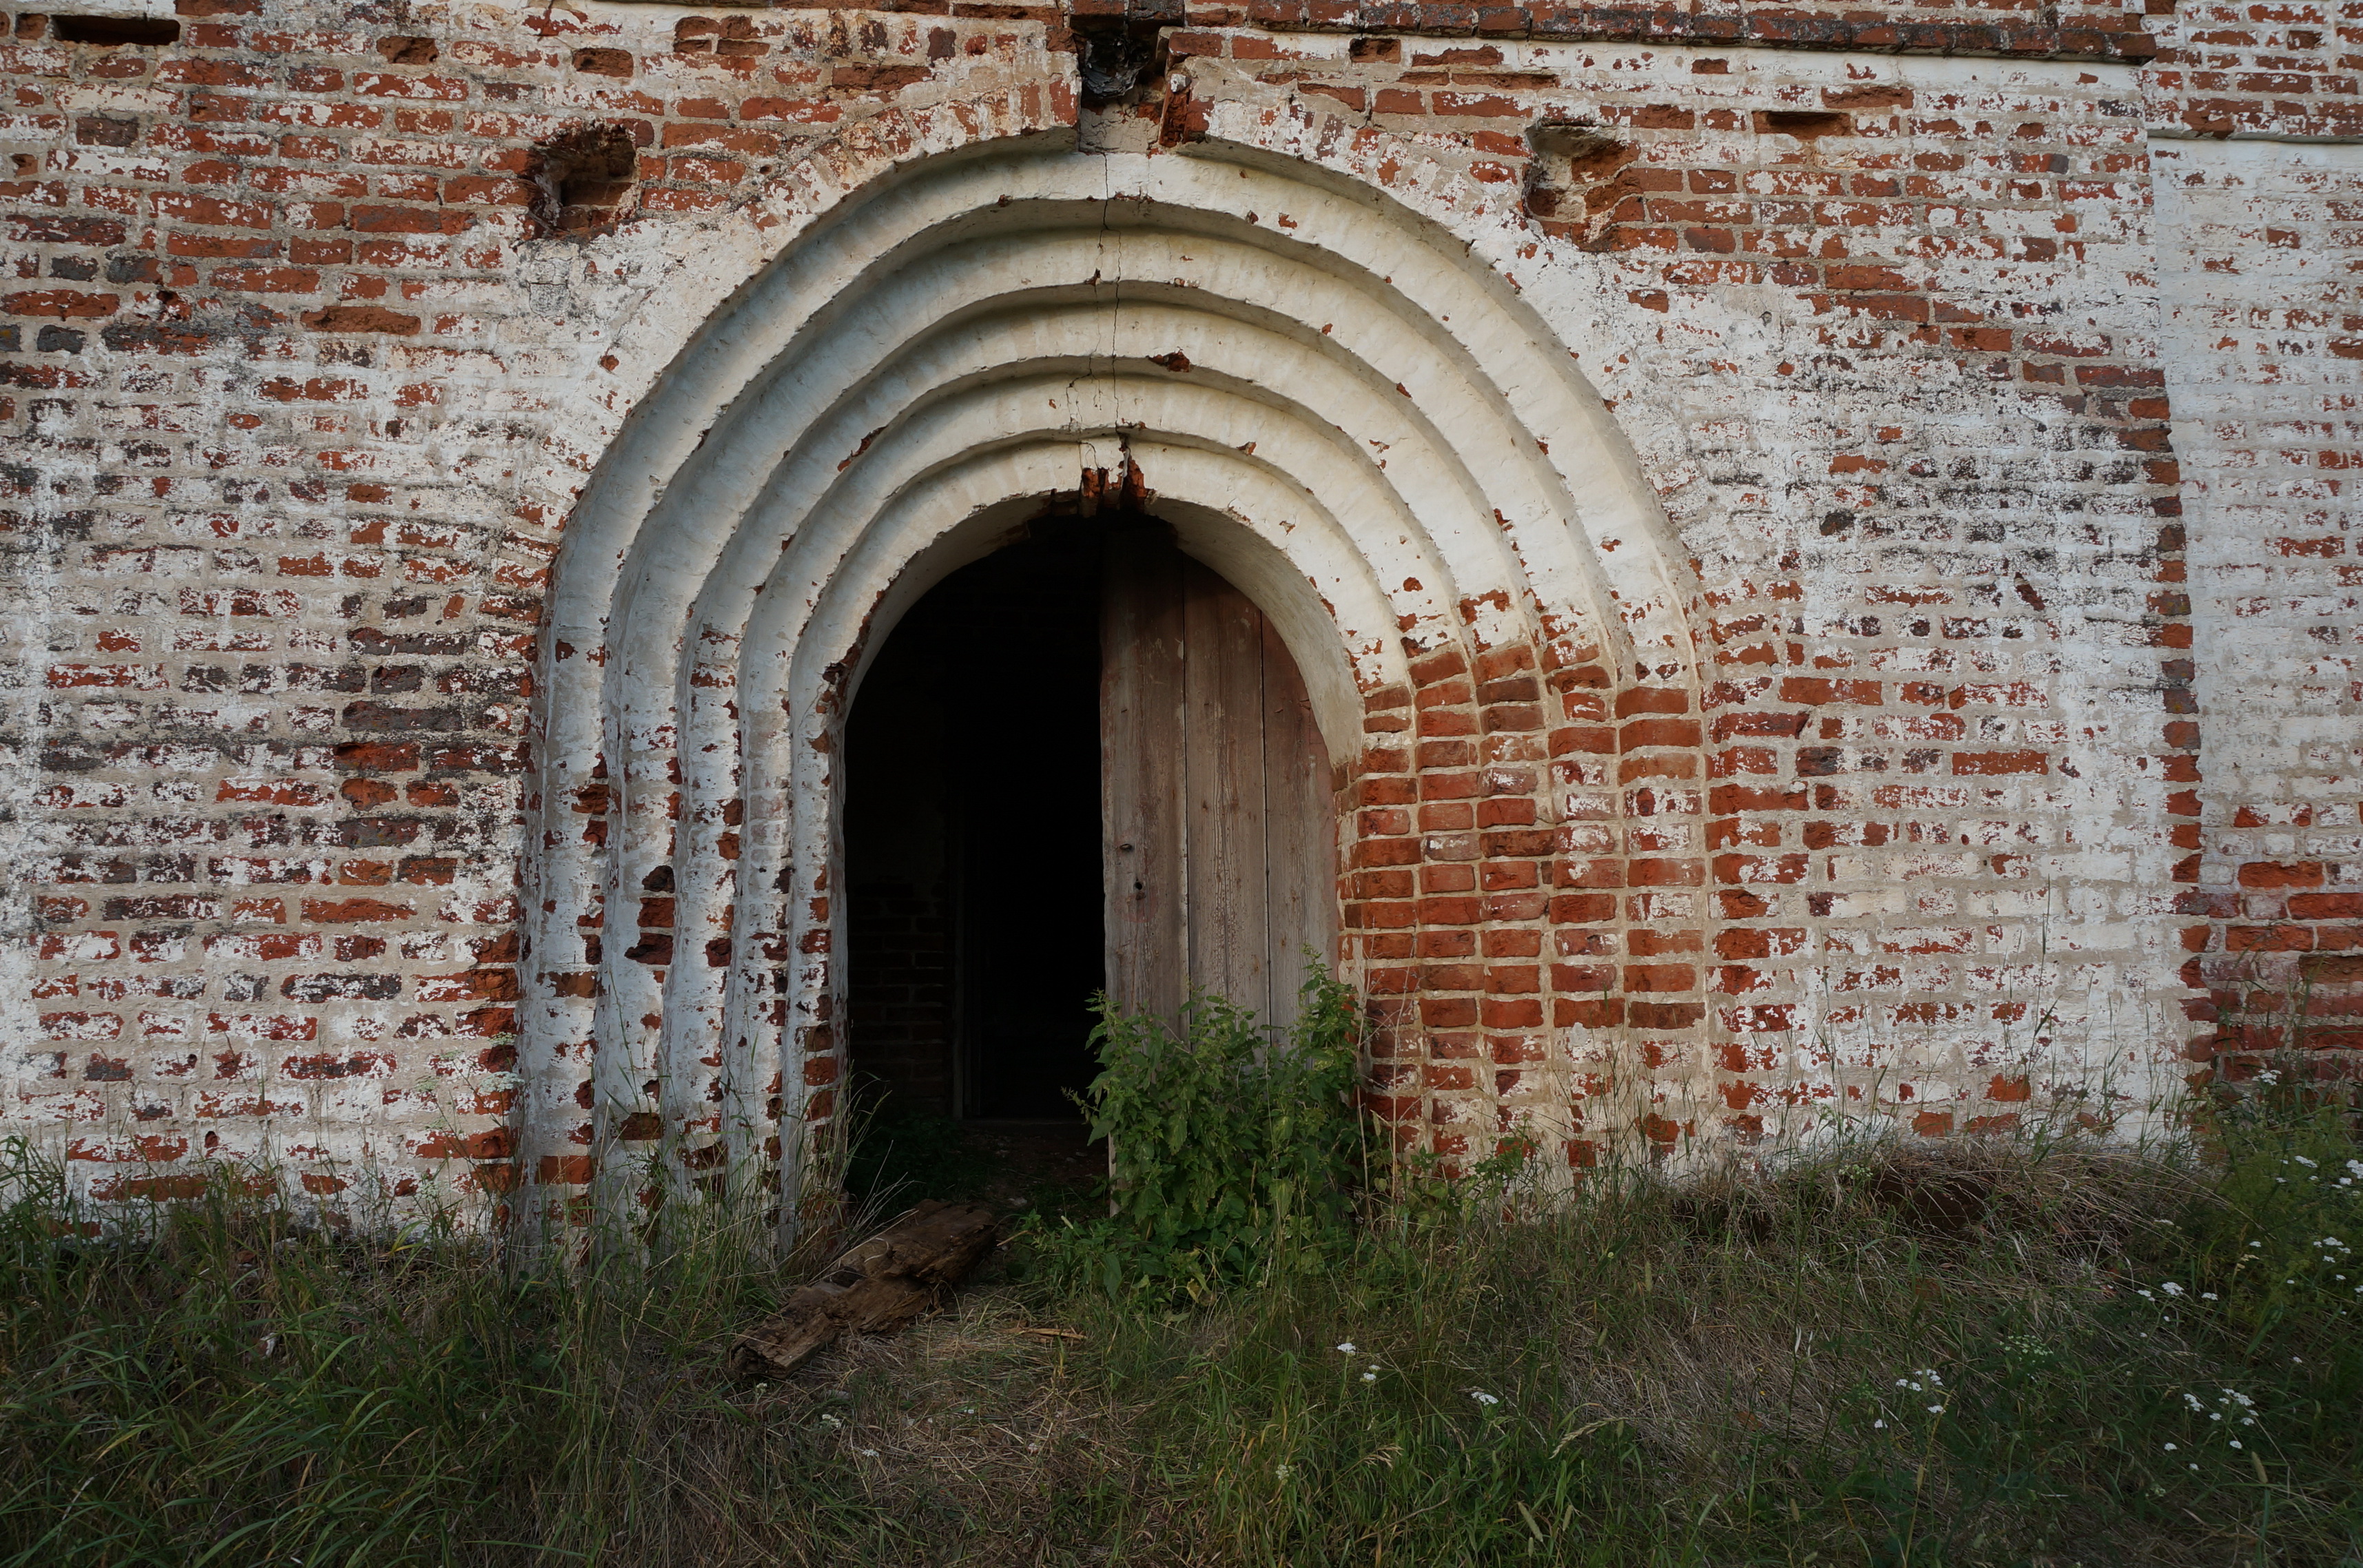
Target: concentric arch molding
<point>1334,401</point>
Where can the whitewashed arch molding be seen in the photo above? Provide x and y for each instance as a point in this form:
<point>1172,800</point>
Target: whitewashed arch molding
<point>1334,404</point>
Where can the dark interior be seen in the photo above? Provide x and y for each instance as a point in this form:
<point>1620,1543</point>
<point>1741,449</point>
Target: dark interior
<point>972,840</point>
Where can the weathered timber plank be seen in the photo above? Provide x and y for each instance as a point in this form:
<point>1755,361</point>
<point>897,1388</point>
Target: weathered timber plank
<point>1143,847</point>
<point>876,1288</point>
<point>1300,829</point>
<point>1230,936</point>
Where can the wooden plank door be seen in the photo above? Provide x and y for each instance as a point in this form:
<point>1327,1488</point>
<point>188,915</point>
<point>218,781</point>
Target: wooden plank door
<point>1219,821</point>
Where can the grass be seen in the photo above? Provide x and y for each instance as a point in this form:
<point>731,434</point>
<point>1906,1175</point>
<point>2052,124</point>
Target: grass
<point>1880,1353</point>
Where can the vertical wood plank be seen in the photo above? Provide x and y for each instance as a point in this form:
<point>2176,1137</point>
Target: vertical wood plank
<point>1300,829</point>
<point>1141,736</point>
<point>1229,937</point>
<point>1219,820</point>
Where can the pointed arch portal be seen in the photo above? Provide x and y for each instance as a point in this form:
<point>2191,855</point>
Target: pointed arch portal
<point>1084,763</point>
<point>1328,402</point>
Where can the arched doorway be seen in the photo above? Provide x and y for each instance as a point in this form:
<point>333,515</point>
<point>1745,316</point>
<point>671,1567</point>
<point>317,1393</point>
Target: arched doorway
<point>1338,405</point>
<point>1083,762</point>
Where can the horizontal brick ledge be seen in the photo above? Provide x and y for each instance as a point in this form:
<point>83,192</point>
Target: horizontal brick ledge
<point>1891,34</point>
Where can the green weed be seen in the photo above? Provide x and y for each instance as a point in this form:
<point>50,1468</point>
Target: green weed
<point>1233,1154</point>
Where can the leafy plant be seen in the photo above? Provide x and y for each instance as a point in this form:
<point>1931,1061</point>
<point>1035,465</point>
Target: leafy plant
<point>1233,1154</point>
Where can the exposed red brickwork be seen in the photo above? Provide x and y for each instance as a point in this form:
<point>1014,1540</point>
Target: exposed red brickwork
<point>901,986</point>
<point>1497,897</point>
<point>1879,722</point>
<point>300,308</point>
<point>2075,32</point>
<point>2277,71</point>
<point>2259,271</point>
<point>283,661</point>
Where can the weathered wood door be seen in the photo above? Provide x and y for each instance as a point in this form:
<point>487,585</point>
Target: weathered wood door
<point>1219,817</point>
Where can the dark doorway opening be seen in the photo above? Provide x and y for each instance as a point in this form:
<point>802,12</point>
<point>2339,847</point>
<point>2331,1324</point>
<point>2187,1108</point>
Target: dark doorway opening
<point>972,840</point>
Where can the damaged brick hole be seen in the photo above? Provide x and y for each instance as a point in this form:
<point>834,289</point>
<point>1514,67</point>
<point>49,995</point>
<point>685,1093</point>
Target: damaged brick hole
<point>1805,125</point>
<point>113,32</point>
<point>1574,172</point>
<point>1115,56</point>
<point>582,181</point>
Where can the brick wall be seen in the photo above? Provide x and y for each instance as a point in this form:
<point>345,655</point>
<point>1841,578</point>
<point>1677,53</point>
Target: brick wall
<point>900,991</point>
<point>2259,280</point>
<point>285,327</point>
<point>2281,72</point>
<point>314,325</point>
<point>1946,705</point>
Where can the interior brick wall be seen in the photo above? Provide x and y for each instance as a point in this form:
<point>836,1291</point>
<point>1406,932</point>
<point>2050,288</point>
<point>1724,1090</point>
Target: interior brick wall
<point>900,1003</point>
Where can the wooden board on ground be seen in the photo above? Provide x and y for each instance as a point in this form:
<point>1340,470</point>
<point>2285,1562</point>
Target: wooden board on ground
<point>877,1288</point>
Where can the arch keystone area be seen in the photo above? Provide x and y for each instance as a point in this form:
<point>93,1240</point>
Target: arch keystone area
<point>1339,407</point>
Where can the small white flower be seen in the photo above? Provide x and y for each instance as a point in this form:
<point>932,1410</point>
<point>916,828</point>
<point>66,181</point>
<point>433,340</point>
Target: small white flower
<point>2169,1448</point>
<point>2304,1160</point>
<point>831,1422</point>
<point>2206,1296</point>
<point>2171,1288</point>
<point>1876,1425</point>
<point>1347,1348</point>
<point>1369,1377</point>
<point>870,1454</point>
<point>1936,1409</point>
<point>2235,1443</point>
<point>2193,1401</point>
<point>1283,1471</point>
<point>1482,1397</point>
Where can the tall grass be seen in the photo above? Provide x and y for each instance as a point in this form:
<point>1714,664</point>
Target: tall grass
<point>1882,1354</point>
<point>1963,1354</point>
